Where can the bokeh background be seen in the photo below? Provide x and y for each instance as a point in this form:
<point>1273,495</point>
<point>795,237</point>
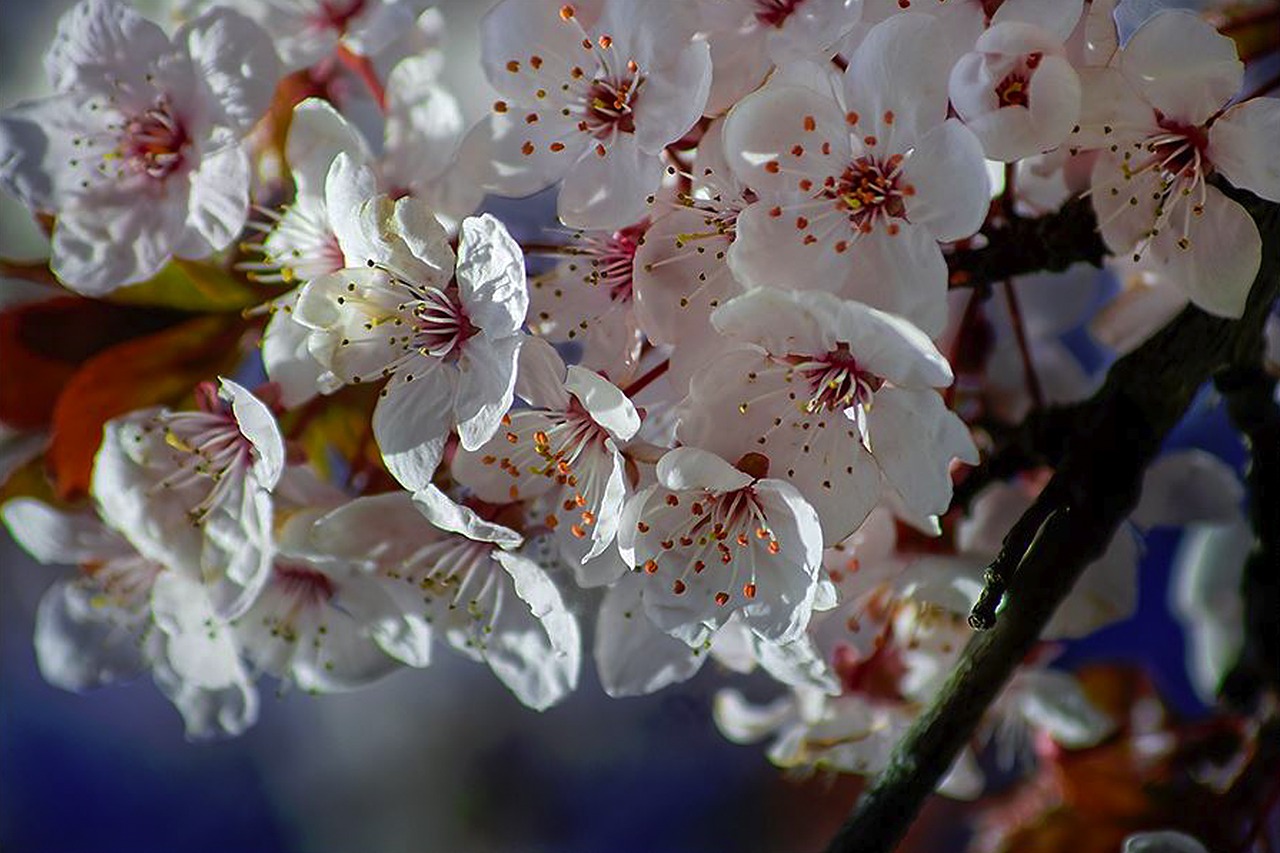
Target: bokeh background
<point>442,759</point>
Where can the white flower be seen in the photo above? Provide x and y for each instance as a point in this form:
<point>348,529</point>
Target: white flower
<point>833,394</point>
<point>1017,90</point>
<point>442,329</point>
<point>747,37</point>
<point>711,536</point>
<point>453,575</point>
<point>1161,121</point>
<point>857,186</point>
<point>191,490</point>
<point>565,448</point>
<point>593,104</point>
<point>139,151</point>
<point>307,31</point>
<point>1163,841</point>
<point>98,629</point>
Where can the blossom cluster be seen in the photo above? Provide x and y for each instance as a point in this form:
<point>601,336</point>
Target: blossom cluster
<point>718,416</point>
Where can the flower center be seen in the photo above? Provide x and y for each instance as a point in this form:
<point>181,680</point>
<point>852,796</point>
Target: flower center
<point>441,324</point>
<point>869,188</point>
<point>214,447</point>
<point>610,105</point>
<point>306,586</point>
<point>1014,89</point>
<point>613,260</point>
<point>337,15</point>
<point>774,13</point>
<point>836,382</point>
<point>153,143</point>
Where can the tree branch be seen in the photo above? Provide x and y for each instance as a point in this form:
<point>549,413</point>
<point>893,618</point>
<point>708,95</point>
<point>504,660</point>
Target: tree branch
<point>1049,243</point>
<point>1114,436</point>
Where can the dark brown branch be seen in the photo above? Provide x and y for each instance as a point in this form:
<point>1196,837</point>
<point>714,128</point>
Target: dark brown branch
<point>1114,436</point>
<point>1049,243</point>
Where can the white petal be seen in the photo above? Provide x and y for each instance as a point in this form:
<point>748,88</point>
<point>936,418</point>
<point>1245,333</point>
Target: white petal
<point>914,438</point>
<point>1186,487</point>
<point>236,63</point>
<point>1055,702</point>
<point>1242,146</point>
<point>486,387</point>
<point>411,423</point>
<point>633,657</point>
<point>743,722</point>
<point>673,100</point>
<point>612,191</point>
<point>52,536</point>
<point>902,273</point>
<point>1058,17</point>
<point>606,404</point>
<point>259,425</point>
<point>1218,265</point>
<point>81,644</point>
<point>1106,592</point>
<point>96,250</point>
<point>901,67</point>
<point>317,134</point>
<point>889,346</point>
<point>491,276</point>
<point>456,518</point>
<point>951,190</point>
<point>766,127</point>
<point>1182,65</point>
<point>98,39</point>
<point>507,156</point>
<point>1165,841</point>
<point>687,468</point>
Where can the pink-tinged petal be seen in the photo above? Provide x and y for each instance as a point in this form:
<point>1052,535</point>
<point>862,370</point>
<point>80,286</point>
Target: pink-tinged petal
<point>1182,65</point>
<point>771,252</point>
<point>101,40</point>
<point>903,274</point>
<point>687,468</point>
<point>80,646</point>
<point>743,722</point>
<point>491,276</point>
<point>411,423</point>
<point>606,404</point>
<point>1136,314</point>
<point>52,536</point>
<point>535,649</point>
<point>1057,17</point>
<point>1188,487</point>
<point>633,657</point>
<point>781,610</point>
<point>914,439</point>
<point>418,245</point>
<point>508,156</point>
<point>897,79</point>
<point>739,65</point>
<point>782,135</point>
<point>97,249</point>
<point>209,714</point>
<point>218,204</point>
<point>1242,146</point>
<point>236,65</point>
<point>673,99</point>
<point>610,191</point>
<point>378,28</point>
<point>317,134</point>
<point>1218,261</point>
<point>259,425</point>
<point>486,387</point>
<point>951,192</point>
<point>456,518</point>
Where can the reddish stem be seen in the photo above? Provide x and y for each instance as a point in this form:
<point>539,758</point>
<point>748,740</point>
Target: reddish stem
<point>362,67</point>
<point>1020,333</point>
<point>647,377</point>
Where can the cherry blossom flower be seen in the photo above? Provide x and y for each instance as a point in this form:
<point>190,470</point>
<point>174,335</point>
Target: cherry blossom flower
<point>857,184</point>
<point>592,103</point>
<point>717,540</point>
<point>102,629</point>
<point>747,37</point>
<point>452,574</point>
<point>307,31</point>
<point>1161,119</point>
<point>442,328</point>
<point>565,447</point>
<point>1017,90</point>
<point>836,396</point>
<point>192,489</point>
<point>138,152</point>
